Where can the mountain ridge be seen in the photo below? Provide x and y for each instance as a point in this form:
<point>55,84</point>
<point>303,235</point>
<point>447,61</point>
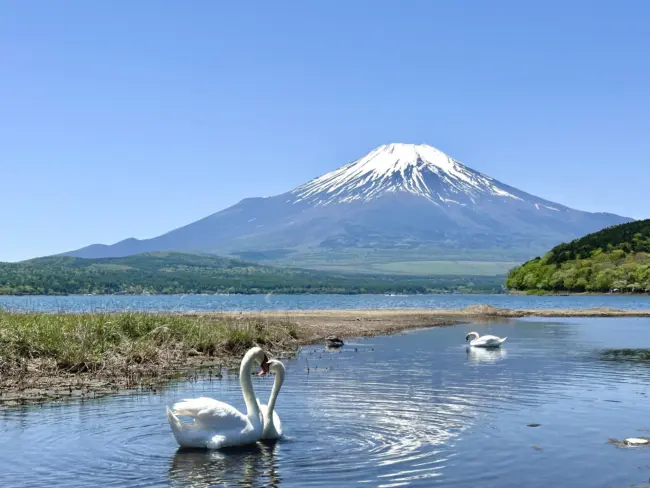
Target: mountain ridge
<point>411,200</point>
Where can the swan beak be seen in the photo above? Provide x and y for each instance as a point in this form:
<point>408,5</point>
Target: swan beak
<point>265,366</point>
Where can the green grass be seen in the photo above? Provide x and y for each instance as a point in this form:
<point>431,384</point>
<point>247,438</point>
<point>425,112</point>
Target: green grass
<point>104,342</point>
<point>420,261</point>
<point>447,268</point>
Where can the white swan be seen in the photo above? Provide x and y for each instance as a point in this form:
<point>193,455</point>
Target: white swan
<point>217,424</point>
<point>485,341</point>
<point>272,424</point>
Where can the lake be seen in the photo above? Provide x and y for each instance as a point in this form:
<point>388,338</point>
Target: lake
<point>416,409</point>
<point>187,303</point>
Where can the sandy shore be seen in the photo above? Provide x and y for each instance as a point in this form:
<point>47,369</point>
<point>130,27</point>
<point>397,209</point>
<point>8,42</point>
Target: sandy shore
<point>312,327</point>
<point>378,322</point>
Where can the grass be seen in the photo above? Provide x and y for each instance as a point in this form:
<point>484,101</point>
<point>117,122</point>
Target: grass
<point>95,343</point>
<point>446,268</point>
<point>426,261</point>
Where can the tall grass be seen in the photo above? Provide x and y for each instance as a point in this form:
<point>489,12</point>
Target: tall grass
<point>104,341</point>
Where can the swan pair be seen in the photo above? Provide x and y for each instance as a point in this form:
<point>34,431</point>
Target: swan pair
<point>217,425</point>
<point>485,341</point>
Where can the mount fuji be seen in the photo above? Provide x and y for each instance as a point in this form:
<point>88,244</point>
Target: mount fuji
<point>400,202</point>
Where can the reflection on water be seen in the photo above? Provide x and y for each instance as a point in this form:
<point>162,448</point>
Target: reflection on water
<point>244,466</point>
<point>418,409</point>
<point>478,355</point>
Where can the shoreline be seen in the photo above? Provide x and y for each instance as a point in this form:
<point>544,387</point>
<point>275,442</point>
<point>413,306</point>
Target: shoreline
<point>472,311</point>
<point>31,385</point>
<point>513,292</point>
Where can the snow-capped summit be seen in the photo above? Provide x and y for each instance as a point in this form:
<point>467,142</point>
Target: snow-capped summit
<point>418,169</point>
<point>399,200</point>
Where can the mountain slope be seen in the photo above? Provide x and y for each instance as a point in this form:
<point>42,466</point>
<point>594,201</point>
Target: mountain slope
<point>614,258</point>
<point>172,272</point>
<point>399,202</point>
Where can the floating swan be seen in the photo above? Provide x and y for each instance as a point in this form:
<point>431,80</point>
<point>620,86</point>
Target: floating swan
<point>272,424</point>
<point>636,441</point>
<point>485,341</point>
<point>217,424</point>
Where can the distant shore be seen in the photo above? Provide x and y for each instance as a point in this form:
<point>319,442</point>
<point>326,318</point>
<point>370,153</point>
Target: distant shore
<point>50,357</point>
<point>529,293</point>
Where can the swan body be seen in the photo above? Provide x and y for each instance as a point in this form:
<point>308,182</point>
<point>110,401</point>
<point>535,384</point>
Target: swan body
<point>217,424</point>
<point>272,424</point>
<point>484,341</point>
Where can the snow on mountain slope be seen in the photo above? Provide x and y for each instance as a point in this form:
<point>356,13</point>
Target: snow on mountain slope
<point>418,169</point>
<point>398,197</point>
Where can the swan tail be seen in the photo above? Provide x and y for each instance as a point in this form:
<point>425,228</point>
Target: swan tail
<point>503,340</point>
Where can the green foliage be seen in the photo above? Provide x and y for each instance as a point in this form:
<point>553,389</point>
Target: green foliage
<point>180,273</point>
<point>628,238</point>
<point>614,258</point>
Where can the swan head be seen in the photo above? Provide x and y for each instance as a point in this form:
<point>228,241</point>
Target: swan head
<point>265,365</point>
<point>471,335</point>
<point>258,355</point>
<point>273,366</point>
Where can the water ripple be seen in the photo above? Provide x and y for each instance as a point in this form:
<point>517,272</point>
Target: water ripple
<point>417,409</point>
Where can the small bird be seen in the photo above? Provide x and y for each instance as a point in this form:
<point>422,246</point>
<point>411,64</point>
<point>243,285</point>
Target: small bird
<point>334,341</point>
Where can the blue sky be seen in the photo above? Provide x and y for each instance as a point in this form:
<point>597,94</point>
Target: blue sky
<point>122,118</point>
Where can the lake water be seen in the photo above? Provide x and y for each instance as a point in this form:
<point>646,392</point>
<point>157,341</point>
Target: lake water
<point>416,409</point>
<point>185,303</point>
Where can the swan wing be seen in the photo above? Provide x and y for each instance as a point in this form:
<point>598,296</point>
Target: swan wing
<point>488,340</point>
<point>212,413</point>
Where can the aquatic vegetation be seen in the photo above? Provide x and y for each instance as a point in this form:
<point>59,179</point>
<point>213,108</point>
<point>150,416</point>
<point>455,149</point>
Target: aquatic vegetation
<point>626,355</point>
<point>77,343</point>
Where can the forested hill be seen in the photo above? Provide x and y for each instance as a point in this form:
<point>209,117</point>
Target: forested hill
<point>616,258</point>
<point>173,273</point>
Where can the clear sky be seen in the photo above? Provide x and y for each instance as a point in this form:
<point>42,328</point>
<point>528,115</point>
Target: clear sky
<point>130,118</point>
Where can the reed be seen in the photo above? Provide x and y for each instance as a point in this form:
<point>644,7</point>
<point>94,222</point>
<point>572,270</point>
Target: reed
<point>78,343</point>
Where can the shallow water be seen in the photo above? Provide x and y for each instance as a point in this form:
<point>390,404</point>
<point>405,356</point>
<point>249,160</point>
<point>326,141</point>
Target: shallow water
<point>185,303</point>
<point>416,410</point>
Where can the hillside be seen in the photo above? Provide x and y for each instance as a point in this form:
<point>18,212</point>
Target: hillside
<point>173,273</point>
<point>616,258</point>
<point>395,207</point>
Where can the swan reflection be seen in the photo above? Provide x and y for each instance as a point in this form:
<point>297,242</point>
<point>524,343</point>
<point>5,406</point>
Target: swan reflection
<point>249,466</point>
<point>478,355</point>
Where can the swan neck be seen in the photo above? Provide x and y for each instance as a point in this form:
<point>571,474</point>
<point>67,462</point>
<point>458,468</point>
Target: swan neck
<point>277,384</point>
<point>252,407</point>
